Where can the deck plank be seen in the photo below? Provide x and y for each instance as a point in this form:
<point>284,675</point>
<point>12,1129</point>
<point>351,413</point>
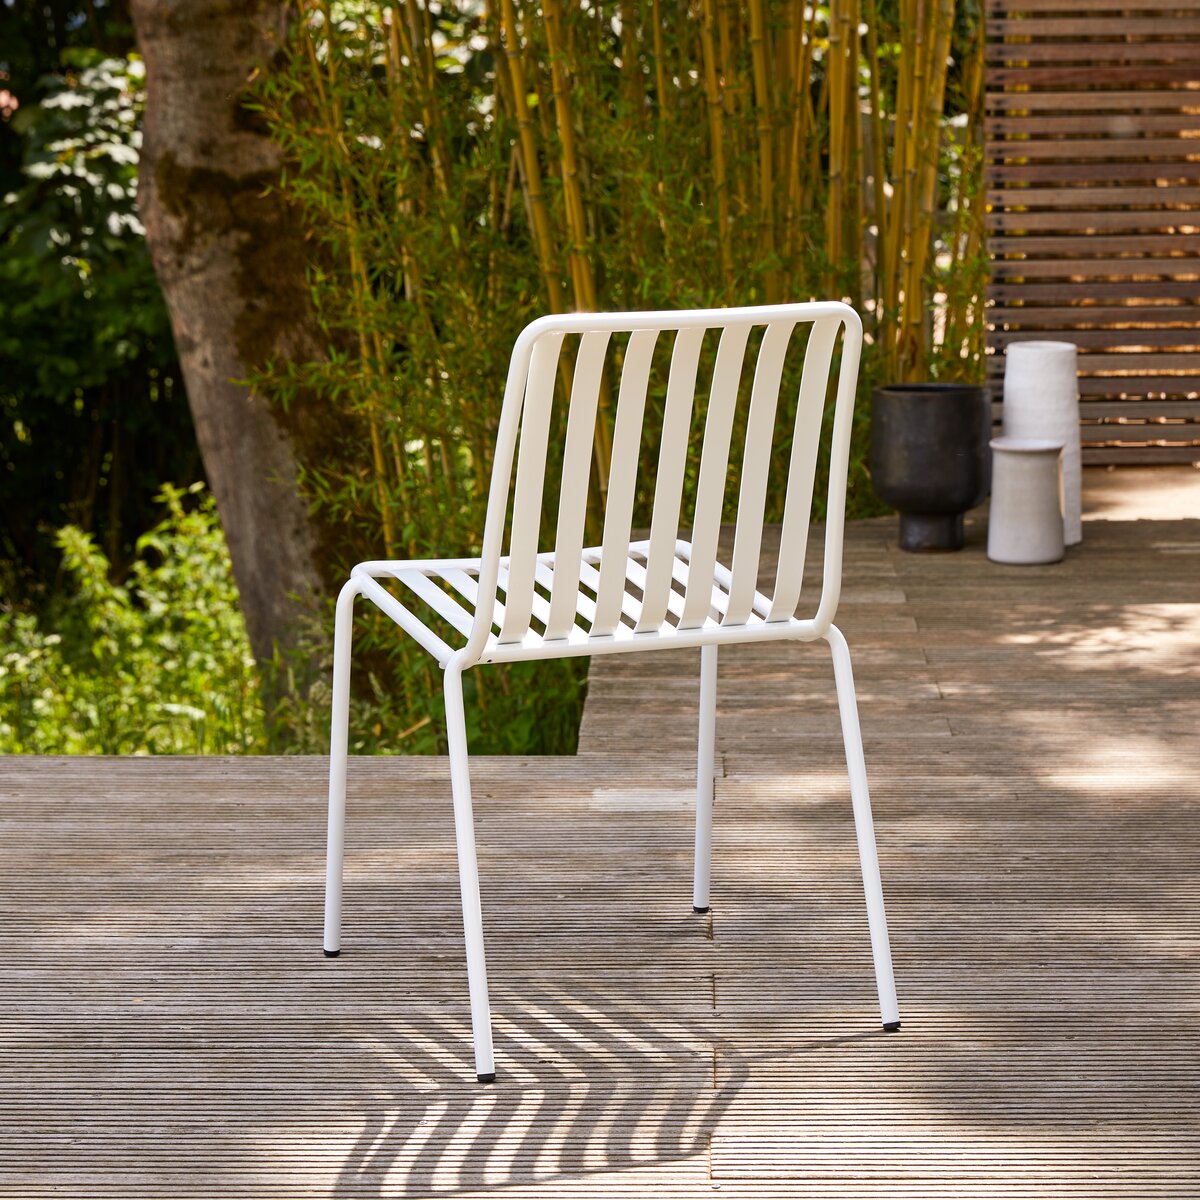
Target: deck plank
<point>170,1028</point>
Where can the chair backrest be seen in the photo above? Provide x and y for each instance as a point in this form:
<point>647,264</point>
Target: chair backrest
<point>528,401</point>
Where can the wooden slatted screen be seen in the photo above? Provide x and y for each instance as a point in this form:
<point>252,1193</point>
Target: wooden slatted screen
<point>1093,178</point>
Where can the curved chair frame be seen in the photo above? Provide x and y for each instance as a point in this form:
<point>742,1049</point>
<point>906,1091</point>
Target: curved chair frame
<point>620,597</point>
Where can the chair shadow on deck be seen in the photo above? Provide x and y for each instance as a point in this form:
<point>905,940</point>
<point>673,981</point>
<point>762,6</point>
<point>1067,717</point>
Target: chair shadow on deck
<point>587,1083</point>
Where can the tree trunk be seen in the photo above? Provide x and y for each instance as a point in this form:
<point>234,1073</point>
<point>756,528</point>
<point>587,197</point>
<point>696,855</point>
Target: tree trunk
<point>230,258</point>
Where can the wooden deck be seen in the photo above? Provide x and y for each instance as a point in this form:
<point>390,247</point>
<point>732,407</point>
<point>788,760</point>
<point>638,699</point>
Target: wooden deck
<point>169,1027</point>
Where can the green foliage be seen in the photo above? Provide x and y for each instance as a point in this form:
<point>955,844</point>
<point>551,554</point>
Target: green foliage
<point>69,230</point>
<point>397,707</point>
<point>402,126</point>
<point>92,417</point>
<point>157,665</point>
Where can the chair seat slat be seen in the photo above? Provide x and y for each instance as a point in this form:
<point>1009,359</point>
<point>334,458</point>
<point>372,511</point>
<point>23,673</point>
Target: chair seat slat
<point>674,601</point>
<point>629,607</point>
<point>416,629</point>
<point>467,586</point>
<point>446,608</point>
<point>538,606</point>
<point>693,581</point>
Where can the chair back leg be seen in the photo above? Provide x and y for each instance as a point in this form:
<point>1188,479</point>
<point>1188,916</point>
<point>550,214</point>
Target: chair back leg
<point>706,751</point>
<point>468,876</point>
<point>339,726</point>
<point>864,828</point>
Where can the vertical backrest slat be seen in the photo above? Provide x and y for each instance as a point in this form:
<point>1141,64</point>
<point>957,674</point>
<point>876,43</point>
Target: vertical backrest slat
<point>714,468</point>
<point>576,475</point>
<point>668,483</point>
<point>802,471</point>
<point>752,496</point>
<point>618,516</point>
<point>531,471</point>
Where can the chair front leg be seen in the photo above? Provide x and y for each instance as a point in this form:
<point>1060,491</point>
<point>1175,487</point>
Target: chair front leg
<point>704,778</point>
<point>338,735</point>
<point>864,828</point>
<point>468,876</point>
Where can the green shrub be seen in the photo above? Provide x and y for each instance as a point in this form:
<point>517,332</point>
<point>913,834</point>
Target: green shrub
<point>158,664</point>
<point>93,416</point>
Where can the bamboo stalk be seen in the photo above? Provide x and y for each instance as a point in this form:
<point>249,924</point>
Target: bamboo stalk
<point>585,282</point>
<point>962,317</point>
<point>835,79</point>
<point>901,141</point>
<point>914,341</point>
<point>878,169</point>
<point>854,157</point>
<point>716,120</point>
<point>803,119</point>
<point>660,70</point>
<point>359,282</point>
<point>531,175</point>
<point>631,71</point>
<point>420,54</point>
<point>766,147</point>
<point>731,96</point>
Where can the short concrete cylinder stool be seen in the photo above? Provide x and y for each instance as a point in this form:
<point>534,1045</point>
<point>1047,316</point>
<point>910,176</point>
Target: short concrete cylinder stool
<point>1025,521</point>
<point>1041,400</point>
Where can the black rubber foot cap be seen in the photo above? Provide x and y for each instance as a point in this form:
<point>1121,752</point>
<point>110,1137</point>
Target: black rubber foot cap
<point>699,910</point>
<point>487,1078</point>
<point>332,953</point>
<point>891,1026</point>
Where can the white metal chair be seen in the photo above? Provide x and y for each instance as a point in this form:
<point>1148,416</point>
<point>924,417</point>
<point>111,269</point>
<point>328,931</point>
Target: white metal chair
<point>624,596</point>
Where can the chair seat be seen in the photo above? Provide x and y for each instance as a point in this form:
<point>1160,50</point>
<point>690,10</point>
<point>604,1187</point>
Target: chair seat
<point>449,588</point>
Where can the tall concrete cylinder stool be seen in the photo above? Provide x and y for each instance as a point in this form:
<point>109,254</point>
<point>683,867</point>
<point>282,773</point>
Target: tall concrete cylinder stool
<point>1041,400</point>
<point>1025,521</point>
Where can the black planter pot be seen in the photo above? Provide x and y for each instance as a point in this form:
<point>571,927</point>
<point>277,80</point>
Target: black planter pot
<point>930,458</point>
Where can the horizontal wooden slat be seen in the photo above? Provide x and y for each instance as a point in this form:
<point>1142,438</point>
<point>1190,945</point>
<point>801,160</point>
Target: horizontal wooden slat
<point>1061,76</point>
<point>1096,244</point>
<point>1141,433</point>
<point>1084,24</point>
<point>1145,362</point>
<point>1104,339</point>
<point>1112,124</point>
<point>1098,52</point>
<point>1137,410</point>
<point>1093,101</point>
<point>1155,316</point>
<point>1089,290</point>
<point>1005,268</point>
<point>1139,455</point>
<point>1112,386</point>
<point>996,7</point>
<point>1150,385</point>
<point>1117,411</point>
<point>1082,197</point>
<point>1076,221</point>
<point>1096,171</point>
<point>1098,147</point>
